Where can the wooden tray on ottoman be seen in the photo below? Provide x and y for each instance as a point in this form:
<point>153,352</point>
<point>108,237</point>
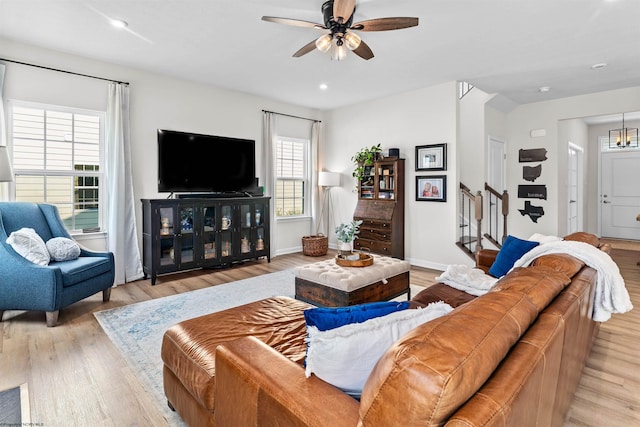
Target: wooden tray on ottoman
<point>364,260</point>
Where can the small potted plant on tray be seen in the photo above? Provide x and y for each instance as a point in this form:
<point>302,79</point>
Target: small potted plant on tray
<point>346,234</point>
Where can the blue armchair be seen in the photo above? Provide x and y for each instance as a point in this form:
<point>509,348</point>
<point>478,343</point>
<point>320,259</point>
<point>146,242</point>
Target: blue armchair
<point>28,286</point>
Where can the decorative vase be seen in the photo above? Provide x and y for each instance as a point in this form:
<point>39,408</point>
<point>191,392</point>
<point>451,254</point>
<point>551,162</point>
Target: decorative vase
<point>345,251</point>
<point>344,248</point>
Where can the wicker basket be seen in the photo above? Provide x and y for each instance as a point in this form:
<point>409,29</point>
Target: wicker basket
<point>315,245</point>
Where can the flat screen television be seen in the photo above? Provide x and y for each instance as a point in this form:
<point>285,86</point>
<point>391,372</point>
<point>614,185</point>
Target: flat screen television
<point>190,162</point>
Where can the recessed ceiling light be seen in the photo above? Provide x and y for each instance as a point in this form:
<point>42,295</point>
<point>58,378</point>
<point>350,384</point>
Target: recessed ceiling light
<point>544,89</point>
<point>598,66</point>
<point>324,86</point>
<point>119,23</point>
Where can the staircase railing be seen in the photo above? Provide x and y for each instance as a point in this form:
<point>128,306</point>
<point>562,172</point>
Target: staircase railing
<point>498,211</point>
<point>470,210</point>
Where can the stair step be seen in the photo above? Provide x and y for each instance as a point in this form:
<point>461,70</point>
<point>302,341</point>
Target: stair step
<point>465,240</point>
<point>466,250</point>
<point>492,240</point>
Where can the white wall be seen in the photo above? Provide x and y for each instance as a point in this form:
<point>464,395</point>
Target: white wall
<point>472,140</point>
<point>156,102</point>
<point>420,117</point>
<point>495,125</point>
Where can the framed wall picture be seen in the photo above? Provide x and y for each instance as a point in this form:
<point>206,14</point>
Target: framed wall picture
<point>431,188</point>
<point>431,157</point>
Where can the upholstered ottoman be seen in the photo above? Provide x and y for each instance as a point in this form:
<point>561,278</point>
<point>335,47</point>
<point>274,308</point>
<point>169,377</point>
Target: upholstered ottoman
<point>188,350</point>
<point>325,283</point>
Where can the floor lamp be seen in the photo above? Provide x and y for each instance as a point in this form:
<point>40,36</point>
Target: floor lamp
<point>6,174</point>
<point>326,180</point>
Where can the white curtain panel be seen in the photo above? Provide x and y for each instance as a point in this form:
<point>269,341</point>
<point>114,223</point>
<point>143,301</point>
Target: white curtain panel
<point>122,237</point>
<point>269,132</point>
<point>3,129</point>
<point>316,129</point>
<point>4,192</point>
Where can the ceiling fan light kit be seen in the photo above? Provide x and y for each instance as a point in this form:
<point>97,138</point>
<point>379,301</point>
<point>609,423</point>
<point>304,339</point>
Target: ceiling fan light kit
<point>352,40</point>
<point>323,44</point>
<point>623,137</point>
<point>338,19</point>
<point>339,51</point>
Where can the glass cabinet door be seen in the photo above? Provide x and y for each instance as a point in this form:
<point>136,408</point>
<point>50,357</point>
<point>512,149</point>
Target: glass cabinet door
<point>386,181</point>
<point>167,236</point>
<point>261,220</point>
<point>186,238</point>
<point>246,218</point>
<point>226,231</point>
<point>367,187</point>
<point>209,250</point>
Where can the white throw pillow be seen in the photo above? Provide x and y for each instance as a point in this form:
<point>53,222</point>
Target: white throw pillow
<point>31,246</point>
<point>345,356</point>
<point>63,249</point>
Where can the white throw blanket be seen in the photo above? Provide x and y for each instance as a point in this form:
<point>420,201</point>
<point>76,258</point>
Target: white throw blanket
<point>611,294</point>
<point>470,280</point>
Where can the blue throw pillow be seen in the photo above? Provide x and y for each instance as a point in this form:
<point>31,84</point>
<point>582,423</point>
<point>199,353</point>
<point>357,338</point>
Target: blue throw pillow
<point>511,251</point>
<point>330,318</point>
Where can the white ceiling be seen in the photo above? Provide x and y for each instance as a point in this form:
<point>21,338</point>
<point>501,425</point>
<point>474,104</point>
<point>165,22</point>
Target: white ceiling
<point>511,47</point>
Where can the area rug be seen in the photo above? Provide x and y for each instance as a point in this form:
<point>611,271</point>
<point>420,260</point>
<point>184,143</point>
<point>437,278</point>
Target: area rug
<point>14,406</point>
<point>137,329</point>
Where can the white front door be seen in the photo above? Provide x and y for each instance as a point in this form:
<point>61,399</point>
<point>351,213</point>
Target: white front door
<point>620,194</point>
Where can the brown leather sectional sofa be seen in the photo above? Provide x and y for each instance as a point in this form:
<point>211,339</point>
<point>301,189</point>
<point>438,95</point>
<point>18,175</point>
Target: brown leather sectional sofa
<point>511,357</point>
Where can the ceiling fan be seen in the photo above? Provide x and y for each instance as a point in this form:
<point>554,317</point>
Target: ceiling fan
<point>338,19</point>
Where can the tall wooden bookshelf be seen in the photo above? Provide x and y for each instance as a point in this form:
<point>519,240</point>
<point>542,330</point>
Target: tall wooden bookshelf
<point>381,208</point>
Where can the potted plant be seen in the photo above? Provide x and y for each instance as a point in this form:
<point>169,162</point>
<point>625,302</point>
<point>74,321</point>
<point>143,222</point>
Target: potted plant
<point>346,234</point>
<point>365,157</point>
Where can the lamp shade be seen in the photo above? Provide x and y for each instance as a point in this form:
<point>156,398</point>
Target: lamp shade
<point>328,179</point>
<point>6,174</point>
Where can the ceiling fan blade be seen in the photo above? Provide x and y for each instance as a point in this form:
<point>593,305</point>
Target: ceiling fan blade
<point>293,22</point>
<point>363,51</point>
<point>385,24</point>
<point>309,47</point>
<point>343,9</point>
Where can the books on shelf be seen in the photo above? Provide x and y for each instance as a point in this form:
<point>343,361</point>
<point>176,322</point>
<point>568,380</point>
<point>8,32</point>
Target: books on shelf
<point>367,193</point>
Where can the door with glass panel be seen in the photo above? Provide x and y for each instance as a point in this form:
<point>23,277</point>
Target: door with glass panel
<point>176,237</point>
<point>225,234</point>
<point>260,231</point>
<point>208,249</point>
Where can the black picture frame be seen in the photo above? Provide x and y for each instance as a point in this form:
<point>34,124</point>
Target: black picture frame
<point>431,157</point>
<point>431,188</point>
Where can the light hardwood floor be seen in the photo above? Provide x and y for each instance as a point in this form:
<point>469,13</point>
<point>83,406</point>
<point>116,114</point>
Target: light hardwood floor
<point>77,377</point>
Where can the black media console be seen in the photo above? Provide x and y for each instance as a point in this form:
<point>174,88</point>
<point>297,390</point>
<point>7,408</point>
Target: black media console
<point>202,232</point>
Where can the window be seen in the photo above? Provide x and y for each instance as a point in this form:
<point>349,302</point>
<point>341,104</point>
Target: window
<point>292,177</point>
<point>57,159</point>
<point>463,89</point>
<point>606,145</point>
